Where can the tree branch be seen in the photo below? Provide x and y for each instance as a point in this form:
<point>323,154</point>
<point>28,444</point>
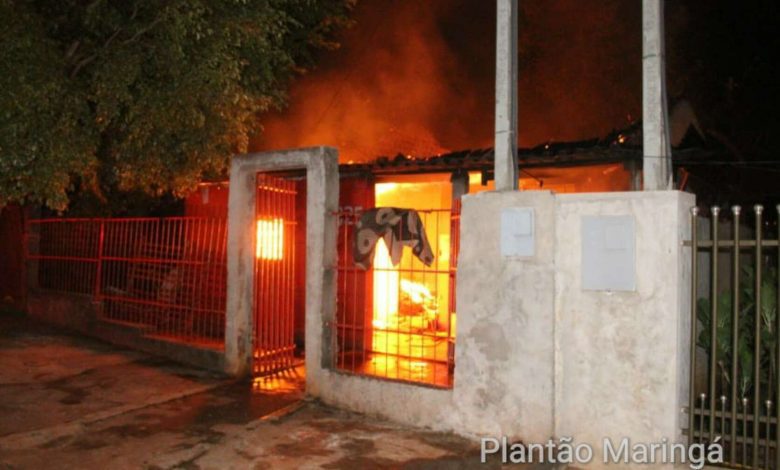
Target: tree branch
<point>84,62</point>
<point>72,49</point>
<point>142,31</point>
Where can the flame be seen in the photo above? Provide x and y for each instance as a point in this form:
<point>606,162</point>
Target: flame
<point>386,282</point>
<point>382,188</point>
<point>270,239</point>
<point>417,292</point>
<point>416,300</point>
<point>387,286</point>
<point>397,84</point>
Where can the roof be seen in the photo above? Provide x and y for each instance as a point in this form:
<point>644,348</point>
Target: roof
<point>618,146</point>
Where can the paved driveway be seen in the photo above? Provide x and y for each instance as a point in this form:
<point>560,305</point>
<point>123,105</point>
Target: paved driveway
<point>69,402</point>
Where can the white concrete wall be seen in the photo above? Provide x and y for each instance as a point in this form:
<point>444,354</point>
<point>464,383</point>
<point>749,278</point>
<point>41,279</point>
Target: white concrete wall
<point>537,357</point>
<point>622,357</point>
<point>504,345</point>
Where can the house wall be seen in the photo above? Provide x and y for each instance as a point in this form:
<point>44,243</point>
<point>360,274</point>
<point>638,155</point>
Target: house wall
<point>209,200</point>
<point>538,357</point>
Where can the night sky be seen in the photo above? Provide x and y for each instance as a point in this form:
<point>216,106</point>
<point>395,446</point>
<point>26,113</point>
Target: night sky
<point>418,77</point>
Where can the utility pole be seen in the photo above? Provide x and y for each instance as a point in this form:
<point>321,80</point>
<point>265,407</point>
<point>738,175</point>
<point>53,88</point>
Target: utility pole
<point>656,163</point>
<point>505,147</point>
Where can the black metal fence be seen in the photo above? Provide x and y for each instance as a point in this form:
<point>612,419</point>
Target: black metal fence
<point>735,352</point>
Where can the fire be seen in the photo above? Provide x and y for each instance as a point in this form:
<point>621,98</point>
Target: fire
<point>387,287</point>
<point>410,296</point>
<point>270,239</point>
<point>413,324</point>
<point>416,291</point>
<point>380,189</point>
<point>386,282</point>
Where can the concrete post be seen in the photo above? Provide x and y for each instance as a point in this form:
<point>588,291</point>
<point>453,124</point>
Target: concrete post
<point>240,269</point>
<point>506,96</point>
<point>622,357</point>
<point>656,164</point>
<point>322,194</point>
<point>504,346</point>
<point>460,185</point>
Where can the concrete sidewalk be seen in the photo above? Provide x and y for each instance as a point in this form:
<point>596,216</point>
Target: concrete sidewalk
<point>52,384</point>
<point>69,402</point>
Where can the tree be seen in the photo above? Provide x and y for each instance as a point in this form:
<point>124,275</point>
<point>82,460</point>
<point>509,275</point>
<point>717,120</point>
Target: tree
<point>114,96</point>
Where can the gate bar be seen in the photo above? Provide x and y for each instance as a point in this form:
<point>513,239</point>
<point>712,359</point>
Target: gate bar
<point>759,209</point>
<point>714,320</point>
<point>777,332</point>
<point>694,282</point>
<point>736,210</point>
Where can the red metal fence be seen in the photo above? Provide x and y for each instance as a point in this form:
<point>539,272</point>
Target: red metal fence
<point>274,326</point>
<point>66,251</point>
<point>398,322</point>
<point>164,275</point>
<point>168,277</point>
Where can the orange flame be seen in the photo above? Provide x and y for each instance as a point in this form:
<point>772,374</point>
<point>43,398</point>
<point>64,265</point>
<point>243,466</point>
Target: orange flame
<point>270,239</point>
<point>417,292</point>
<point>386,281</point>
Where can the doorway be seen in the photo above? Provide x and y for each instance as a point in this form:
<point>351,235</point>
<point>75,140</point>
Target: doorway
<point>279,268</point>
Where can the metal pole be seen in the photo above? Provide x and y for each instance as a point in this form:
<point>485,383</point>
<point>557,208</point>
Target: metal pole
<point>757,352</point>
<point>777,358</point>
<point>714,321</point>
<point>656,165</point>
<point>505,163</point>
<point>736,210</point>
<point>692,371</point>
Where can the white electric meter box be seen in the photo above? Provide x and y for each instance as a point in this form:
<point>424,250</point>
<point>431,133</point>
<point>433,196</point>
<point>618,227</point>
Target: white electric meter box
<point>517,232</point>
<point>608,253</point>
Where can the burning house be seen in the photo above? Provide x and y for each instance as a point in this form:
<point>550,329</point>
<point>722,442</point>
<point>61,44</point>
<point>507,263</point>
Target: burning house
<point>396,309</point>
<point>569,309</point>
<point>164,282</point>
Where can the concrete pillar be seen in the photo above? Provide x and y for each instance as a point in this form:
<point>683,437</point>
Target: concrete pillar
<point>656,164</point>
<point>504,345</point>
<point>622,357</point>
<point>506,96</point>
<point>460,185</point>
<point>634,168</point>
<point>240,269</point>
<point>322,194</point>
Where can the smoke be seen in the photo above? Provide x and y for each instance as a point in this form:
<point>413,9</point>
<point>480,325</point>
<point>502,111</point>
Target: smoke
<point>417,77</point>
<point>580,68</point>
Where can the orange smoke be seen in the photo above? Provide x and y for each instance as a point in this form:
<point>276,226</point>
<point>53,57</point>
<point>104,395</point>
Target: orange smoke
<point>417,78</point>
<point>378,95</point>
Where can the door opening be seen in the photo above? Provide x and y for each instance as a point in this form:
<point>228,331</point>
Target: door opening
<point>280,251</point>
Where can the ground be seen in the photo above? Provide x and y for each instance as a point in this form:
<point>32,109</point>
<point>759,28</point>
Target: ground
<point>71,402</point>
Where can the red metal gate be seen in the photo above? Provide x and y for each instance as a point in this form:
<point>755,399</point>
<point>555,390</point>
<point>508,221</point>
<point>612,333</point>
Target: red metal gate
<point>274,275</point>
